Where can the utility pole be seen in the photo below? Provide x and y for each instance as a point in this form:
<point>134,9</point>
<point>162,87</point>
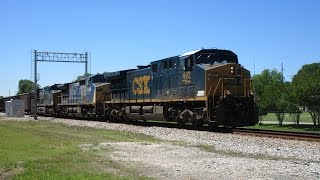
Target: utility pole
<point>86,64</point>
<point>254,65</point>
<point>35,84</point>
<point>282,70</point>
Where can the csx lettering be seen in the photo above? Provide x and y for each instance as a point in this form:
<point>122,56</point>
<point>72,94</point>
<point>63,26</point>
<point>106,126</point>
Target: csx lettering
<point>186,77</point>
<point>140,85</point>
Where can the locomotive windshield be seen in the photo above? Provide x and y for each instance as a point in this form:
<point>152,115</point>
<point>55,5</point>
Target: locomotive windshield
<point>214,58</point>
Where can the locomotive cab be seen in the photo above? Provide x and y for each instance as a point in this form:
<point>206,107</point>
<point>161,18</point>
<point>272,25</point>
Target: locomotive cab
<point>225,85</point>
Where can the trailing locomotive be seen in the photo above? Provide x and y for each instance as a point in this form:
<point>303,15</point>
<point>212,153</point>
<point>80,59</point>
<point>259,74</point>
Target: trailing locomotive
<point>206,86</point>
<point>84,98</point>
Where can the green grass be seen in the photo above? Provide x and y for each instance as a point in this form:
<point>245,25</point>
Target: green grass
<point>44,150</point>
<point>287,127</point>
<point>305,125</point>
<point>304,117</point>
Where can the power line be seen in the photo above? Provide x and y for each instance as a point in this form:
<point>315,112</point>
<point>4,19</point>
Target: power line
<point>55,57</point>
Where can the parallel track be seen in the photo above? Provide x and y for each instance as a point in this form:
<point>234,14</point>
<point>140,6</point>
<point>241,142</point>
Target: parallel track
<point>278,134</point>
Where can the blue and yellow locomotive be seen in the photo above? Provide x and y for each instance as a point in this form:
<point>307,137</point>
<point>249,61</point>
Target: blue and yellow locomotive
<point>203,86</point>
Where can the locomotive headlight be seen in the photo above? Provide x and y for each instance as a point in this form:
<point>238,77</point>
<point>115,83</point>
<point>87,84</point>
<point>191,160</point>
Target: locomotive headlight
<point>250,93</point>
<point>227,92</point>
<point>231,69</point>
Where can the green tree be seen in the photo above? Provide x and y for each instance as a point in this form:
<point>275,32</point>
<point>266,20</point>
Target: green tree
<point>26,86</point>
<point>306,87</point>
<point>271,93</point>
<point>260,81</point>
<point>295,112</point>
<point>82,77</point>
<point>293,107</point>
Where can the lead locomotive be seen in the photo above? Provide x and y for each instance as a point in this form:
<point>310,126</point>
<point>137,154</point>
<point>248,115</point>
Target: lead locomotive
<point>203,86</point>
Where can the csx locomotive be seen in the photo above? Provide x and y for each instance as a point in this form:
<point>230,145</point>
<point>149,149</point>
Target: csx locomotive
<point>206,86</point>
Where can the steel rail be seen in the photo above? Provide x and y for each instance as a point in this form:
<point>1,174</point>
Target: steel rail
<point>278,134</point>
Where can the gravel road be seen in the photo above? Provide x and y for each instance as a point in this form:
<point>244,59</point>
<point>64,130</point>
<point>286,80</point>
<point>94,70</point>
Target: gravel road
<point>189,154</point>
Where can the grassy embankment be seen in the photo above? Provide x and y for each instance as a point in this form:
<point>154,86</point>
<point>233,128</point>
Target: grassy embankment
<point>44,150</point>
<point>305,126</point>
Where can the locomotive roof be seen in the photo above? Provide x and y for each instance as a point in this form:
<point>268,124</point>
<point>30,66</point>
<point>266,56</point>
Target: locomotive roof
<point>203,51</point>
<point>210,51</point>
<point>116,74</point>
<point>187,54</point>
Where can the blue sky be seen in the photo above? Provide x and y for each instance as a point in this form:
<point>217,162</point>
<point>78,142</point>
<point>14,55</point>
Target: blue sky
<point>121,34</point>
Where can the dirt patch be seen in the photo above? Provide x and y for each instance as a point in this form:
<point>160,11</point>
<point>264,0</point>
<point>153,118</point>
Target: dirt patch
<point>10,173</point>
<point>170,161</point>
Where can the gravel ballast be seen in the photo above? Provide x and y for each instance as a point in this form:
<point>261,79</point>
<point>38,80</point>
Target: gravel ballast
<point>209,155</point>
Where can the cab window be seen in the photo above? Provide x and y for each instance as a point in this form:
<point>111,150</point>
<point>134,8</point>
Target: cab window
<point>165,64</point>
<point>154,67</point>
<point>170,64</point>
<point>188,63</point>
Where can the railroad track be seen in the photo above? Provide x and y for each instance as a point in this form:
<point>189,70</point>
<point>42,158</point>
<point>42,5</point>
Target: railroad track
<point>278,134</point>
<point>241,131</point>
<point>246,131</point>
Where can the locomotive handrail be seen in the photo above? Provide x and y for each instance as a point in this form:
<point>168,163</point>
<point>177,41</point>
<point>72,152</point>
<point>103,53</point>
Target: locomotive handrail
<point>221,79</point>
<point>214,92</point>
<point>211,87</point>
<point>245,86</point>
<point>222,84</point>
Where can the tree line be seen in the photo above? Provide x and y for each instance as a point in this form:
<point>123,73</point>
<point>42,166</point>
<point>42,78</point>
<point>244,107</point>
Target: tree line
<point>274,95</point>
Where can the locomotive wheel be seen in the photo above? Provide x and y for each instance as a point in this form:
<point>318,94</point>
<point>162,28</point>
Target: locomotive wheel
<point>180,122</point>
<point>213,125</point>
<point>126,120</point>
<point>111,119</point>
<point>197,123</point>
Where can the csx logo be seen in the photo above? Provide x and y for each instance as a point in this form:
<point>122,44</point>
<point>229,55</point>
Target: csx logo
<point>186,77</point>
<point>140,85</point>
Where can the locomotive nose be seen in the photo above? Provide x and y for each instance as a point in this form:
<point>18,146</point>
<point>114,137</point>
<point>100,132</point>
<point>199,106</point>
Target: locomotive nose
<point>228,88</point>
<point>236,112</point>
